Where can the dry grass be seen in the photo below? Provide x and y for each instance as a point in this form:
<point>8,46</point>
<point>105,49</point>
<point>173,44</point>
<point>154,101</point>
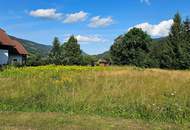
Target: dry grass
<point>124,92</point>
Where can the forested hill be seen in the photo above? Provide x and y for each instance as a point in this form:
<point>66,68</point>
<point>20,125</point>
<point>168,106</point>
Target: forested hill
<point>33,47</point>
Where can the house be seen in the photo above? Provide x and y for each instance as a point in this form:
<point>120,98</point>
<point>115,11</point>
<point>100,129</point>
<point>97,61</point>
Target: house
<point>188,25</point>
<point>11,51</point>
<point>103,62</point>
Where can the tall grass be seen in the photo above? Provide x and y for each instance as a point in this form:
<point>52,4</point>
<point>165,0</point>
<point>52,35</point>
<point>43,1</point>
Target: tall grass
<point>128,92</point>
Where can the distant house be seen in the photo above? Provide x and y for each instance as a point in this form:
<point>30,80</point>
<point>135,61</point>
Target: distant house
<point>103,62</point>
<point>11,51</point>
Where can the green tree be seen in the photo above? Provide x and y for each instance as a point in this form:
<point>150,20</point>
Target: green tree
<point>160,54</point>
<point>131,49</point>
<point>186,44</point>
<point>175,42</point>
<point>71,53</point>
<point>55,53</point>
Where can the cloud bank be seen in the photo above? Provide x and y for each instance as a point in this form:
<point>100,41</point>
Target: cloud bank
<point>54,15</point>
<point>81,16</point>
<point>156,30</point>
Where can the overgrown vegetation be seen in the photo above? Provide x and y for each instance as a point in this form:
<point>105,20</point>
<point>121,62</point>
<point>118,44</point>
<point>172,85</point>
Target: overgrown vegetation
<point>138,49</point>
<point>125,92</point>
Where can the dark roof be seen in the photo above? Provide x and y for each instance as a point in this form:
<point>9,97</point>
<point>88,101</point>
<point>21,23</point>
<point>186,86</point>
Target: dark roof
<point>102,61</point>
<point>7,41</point>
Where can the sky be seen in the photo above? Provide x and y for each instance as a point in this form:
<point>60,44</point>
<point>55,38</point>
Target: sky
<point>95,23</point>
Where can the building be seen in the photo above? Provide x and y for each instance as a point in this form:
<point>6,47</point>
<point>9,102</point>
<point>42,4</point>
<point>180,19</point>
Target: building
<point>11,51</point>
<point>187,25</point>
<point>102,62</point>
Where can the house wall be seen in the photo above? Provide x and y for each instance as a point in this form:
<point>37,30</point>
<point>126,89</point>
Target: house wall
<point>15,59</point>
<point>4,56</point>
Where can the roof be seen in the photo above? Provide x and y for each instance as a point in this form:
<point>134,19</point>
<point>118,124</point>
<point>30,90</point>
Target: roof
<point>7,41</point>
<point>19,47</point>
<point>102,61</point>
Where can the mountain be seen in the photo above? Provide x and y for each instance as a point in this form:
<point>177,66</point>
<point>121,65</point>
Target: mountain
<point>104,55</point>
<point>33,47</point>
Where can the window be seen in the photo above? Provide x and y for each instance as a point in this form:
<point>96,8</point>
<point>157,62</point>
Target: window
<point>15,60</point>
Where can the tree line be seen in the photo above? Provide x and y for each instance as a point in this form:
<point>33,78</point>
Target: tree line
<point>68,53</point>
<point>135,48</point>
<point>138,48</point>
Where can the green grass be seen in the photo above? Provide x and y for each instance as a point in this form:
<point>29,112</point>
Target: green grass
<point>34,121</point>
<point>151,95</point>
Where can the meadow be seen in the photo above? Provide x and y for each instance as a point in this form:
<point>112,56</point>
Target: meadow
<point>125,93</point>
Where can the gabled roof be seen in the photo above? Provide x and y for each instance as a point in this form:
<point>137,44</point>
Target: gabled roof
<point>7,41</point>
<point>19,47</point>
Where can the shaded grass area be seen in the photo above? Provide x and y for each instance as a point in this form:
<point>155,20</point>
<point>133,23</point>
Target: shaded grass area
<point>35,121</point>
<point>120,92</point>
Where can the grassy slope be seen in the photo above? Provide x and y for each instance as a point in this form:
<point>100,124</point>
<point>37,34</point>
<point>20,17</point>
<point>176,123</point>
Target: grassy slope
<point>117,92</point>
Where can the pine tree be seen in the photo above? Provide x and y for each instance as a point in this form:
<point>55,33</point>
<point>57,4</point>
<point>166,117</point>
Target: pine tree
<point>54,56</point>
<point>175,42</point>
<point>186,43</point>
<point>71,53</point>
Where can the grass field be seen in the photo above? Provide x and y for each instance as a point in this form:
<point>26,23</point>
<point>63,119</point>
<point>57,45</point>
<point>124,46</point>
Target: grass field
<point>103,94</point>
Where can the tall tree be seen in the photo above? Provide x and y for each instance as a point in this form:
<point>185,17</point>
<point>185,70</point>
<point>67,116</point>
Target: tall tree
<point>187,32</point>
<point>175,42</point>
<point>186,44</point>
<point>71,53</point>
<point>131,49</point>
<point>55,52</point>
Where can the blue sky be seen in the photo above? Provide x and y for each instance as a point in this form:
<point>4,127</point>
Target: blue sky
<point>94,23</point>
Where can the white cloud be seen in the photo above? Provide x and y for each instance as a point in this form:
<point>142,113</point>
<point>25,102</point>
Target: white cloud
<point>90,39</point>
<point>158,30</point>
<point>97,21</point>
<point>46,13</point>
<point>86,39</point>
<point>146,1</point>
<point>75,17</point>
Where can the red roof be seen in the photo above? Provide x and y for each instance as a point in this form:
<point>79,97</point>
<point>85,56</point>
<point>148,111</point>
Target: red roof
<point>7,41</point>
<point>19,47</point>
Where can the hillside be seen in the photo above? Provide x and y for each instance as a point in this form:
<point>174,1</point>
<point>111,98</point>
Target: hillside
<point>33,47</point>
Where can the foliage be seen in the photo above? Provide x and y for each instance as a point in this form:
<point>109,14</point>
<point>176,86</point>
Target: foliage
<point>70,52</point>
<point>138,49</point>
<point>36,60</point>
<point>55,53</point>
<point>125,92</point>
<point>131,49</point>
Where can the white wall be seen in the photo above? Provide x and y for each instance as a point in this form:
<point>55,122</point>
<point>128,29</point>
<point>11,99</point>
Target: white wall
<point>4,56</point>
